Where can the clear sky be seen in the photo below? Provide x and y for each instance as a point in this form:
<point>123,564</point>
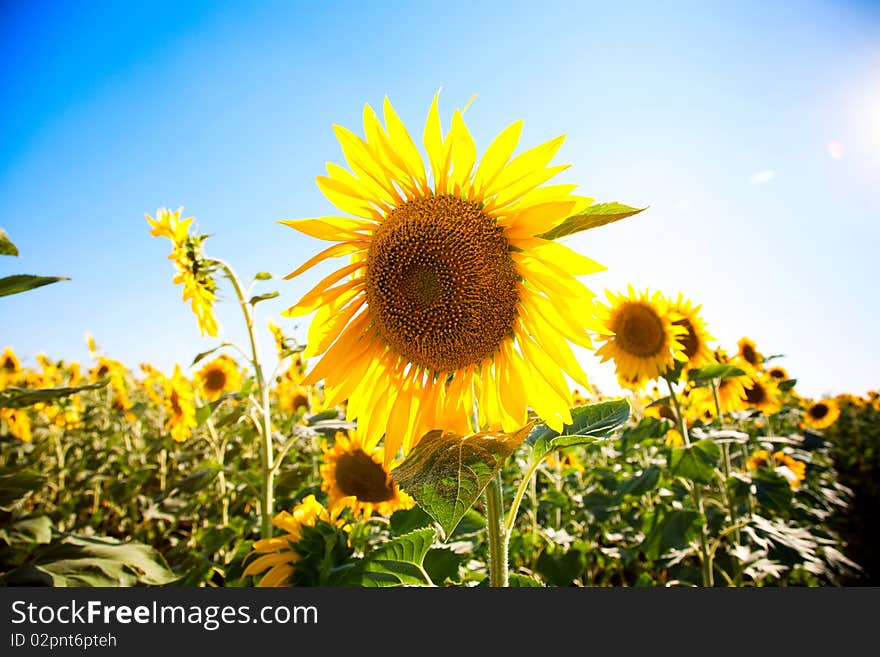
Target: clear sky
<point>751,130</point>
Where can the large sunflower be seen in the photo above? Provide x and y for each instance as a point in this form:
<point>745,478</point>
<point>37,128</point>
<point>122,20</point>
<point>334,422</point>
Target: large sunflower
<point>218,376</point>
<point>640,336</point>
<point>822,414</point>
<point>695,340</point>
<point>352,476</point>
<point>451,298</point>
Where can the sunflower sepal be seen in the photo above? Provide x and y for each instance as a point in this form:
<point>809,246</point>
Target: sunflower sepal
<point>446,473</point>
<point>589,423</point>
<point>598,214</point>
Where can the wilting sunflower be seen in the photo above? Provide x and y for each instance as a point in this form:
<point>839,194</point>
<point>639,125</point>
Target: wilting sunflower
<point>695,340</point>
<point>353,476</point>
<point>761,393</point>
<point>194,270</point>
<point>747,351</point>
<point>640,336</point>
<point>218,376</point>
<point>179,408</point>
<point>822,414</point>
<point>278,555</point>
<point>17,422</point>
<point>454,295</point>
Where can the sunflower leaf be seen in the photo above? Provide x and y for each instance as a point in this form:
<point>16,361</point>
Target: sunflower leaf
<point>594,216</point>
<point>205,354</point>
<point>254,300</point>
<point>399,562</point>
<point>93,561</point>
<point>7,248</point>
<point>20,397</point>
<point>446,473</point>
<point>772,490</point>
<point>697,461</point>
<point>23,282</point>
<point>589,423</point>
<point>715,371</point>
<point>15,485</point>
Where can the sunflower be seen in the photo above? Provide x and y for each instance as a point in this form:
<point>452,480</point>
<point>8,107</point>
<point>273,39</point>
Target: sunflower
<point>822,414</point>
<point>760,393</point>
<point>218,376</point>
<point>674,438</point>
<point>17,422</point>
<point>757,459</point>
<point>115,371</point>
<point>778,374</point>
<point>695,340</point>
<point>453,296</point>
<point>357,478</point>
<point>10,368</point>
<point>179,407</point>
<point>278,555</point>
<point>747,351</point>
<point>639,336</point>
<point>793,470</point>
<point>194,270</point>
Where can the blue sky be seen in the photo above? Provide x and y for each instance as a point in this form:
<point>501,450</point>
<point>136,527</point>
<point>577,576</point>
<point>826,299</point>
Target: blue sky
<point>751,130</point>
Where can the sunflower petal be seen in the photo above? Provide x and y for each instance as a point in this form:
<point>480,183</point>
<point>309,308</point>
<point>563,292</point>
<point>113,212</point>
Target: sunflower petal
<point>330,252</point>
<point>496,156</point>
<point>403,144</point>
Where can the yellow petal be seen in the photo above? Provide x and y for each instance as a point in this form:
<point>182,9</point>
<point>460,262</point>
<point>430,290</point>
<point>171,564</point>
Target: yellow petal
<point>464,151</point>
<point>329,321</point>
<point>504,199</point>
<point>351,343</point>
<point>317,298</point>
<point>496,156</point>
<point>403,144</point>
<point>335,229</point>
<point>548,279</point>
<point>525,164</point>
<point>567,259</point>
<point>265,561</point>
<point>382,149</point>
<point>330,252</point>
<point>362,185</point>
<point>346,199</point>
<point>276,576</point>
<point>536,219</point>
<point>434,140</point>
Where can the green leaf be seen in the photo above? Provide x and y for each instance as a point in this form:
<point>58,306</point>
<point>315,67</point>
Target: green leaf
<point>561,568</point>
<point>18,283</point>
<point>205,354</point>
<point>93,561</point>
<point>715,371</point>
<point>37,529</point>
<point>589,423</point>
<point>263,276</point>
<point>203,413</point>
<point>19,397</point>
<point>642,483</point>
<point>787,385</point>
<point>673,532</point>
<point>399,562</point>
<point>772,490</point>
<point>446,473</point>
<point>594,216</point>
<point>17,484</point>
<point>407,520</point>
<point>7,248</point>
<point>254,300</point>
<point>696,462</point>
<point>442,565</point>
<point>518,581</point>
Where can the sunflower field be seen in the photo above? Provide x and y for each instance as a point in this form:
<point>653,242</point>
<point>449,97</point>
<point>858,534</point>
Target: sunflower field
<point>438,426</point>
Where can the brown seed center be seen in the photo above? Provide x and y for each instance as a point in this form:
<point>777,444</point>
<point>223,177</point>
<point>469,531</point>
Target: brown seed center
<point>440,282</point>
<point>215,380</point>
<point>818,411</point>
<point>639,331</point>
<point>757,394</point>
<point>359,475</point>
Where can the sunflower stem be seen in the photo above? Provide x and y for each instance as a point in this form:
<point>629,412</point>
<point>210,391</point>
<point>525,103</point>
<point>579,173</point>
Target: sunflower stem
<point>705,554</point>
<point>497,533</point>
<point>267,497</point>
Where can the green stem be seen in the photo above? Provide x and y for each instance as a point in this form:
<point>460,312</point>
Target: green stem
<point>497,533</point>
<point>705,554</point>
<point>267,498</point>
